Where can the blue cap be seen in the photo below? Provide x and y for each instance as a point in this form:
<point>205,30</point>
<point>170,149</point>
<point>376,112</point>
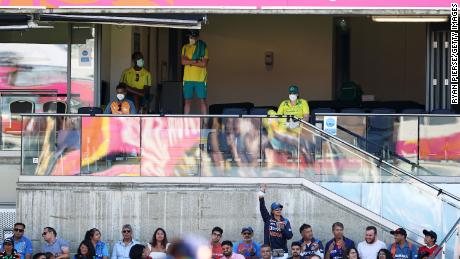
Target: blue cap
<point>249,229</point>
<point>276,205</point>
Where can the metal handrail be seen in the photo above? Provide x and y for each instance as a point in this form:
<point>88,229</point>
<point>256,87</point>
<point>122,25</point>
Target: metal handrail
<point>387,114</point>
<point>439,190</point>
<point>386,149</point>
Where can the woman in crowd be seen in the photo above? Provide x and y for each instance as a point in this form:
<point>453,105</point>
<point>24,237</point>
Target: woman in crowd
<point>139,251</point>
<point>384,254</point>
<point>100,248</point>
<point>85,250</point>
<point>352,253</point>
<point>159,244</point>
<point>8,250</point>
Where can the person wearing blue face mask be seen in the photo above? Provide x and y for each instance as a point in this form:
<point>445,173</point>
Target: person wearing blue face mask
<point>138,81</point>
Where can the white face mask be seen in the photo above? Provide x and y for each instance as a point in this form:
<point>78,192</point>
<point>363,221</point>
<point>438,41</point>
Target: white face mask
<point>140,62</point>
<point>192,41</point>
<point>120,96</point>
<point>293,97</point>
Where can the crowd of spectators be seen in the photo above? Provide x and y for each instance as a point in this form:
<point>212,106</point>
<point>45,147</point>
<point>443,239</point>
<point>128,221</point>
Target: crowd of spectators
<point>277,231</point>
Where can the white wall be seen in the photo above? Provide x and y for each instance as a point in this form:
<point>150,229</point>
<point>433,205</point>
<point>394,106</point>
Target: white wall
<point>302,47</point>
<point>388,59</point>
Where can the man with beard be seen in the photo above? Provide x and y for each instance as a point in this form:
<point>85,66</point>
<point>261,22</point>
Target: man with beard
<point>369,248</point>
<point>295,251</point>
<point>227,251</point>
<point>308,244</point>
<point>247,247</point>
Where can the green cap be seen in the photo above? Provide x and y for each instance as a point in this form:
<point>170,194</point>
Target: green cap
<point>293,89</point>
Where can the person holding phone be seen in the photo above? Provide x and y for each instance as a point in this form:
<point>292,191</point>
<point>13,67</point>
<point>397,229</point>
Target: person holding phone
<point>277,229</point>
<point>308,244</point>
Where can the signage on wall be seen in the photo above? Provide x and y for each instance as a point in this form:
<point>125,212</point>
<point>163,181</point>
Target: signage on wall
<point>330,125</point>
<point>236,4</point>
<point>84,57</point>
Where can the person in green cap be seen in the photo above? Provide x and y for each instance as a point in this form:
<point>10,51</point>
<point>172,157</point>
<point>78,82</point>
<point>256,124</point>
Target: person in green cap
<point>294,105</point>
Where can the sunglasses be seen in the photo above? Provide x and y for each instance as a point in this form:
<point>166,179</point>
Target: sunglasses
<point>19,230</point>
<point>119,107</point>
<point>8,244</point>
<point>137,77</point>
<point>126,231</point>
<point>44,233</point>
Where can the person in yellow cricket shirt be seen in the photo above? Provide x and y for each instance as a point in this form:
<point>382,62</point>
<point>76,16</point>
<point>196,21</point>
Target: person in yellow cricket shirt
<point>195,60</point>
<point>138,81</point>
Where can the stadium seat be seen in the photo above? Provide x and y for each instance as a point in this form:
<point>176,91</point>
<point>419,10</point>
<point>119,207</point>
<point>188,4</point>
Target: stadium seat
<point>219,108</point>
<point>57,107</point>
<point>352,110</point>
<point>262,110</point>
<point>90,110</point>
<point>442,111</point>
<point>21,106</point>
<point>235,111</point>
<point>413,111</point>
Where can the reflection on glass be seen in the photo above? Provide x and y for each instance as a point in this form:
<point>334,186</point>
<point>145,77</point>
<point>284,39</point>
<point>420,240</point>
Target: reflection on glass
<point>12,104</point>
<point>83,59</point>
<point>28,74</point>
<point>439,143</point>
<point>378,187</point>
<point>170,146</point>
<point>51,145</point>
<point>110,146</point>
<point>231,146</point>
<point>281,152</point>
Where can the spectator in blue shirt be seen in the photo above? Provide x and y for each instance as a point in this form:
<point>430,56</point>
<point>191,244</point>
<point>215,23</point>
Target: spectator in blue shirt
<point>247,247</point>
<point>57,246</point>
<point>121,248</point>
<point>22,244</point>
<point>100,248</point>
<point>337,246</point>
<point>401,248</point>
<point>308,244</point>
<point>277,229</point>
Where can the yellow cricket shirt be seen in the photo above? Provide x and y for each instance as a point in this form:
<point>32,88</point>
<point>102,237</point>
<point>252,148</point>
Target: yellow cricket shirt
<point>299,110</point>
<point>194,73</point>
<point>136,79</point>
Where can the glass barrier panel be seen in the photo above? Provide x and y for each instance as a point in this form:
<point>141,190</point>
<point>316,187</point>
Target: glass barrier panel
<point>110,146</point>
<point>170,146</point>
<point>12,104</point>
<point>378,187</point>
<point>282,150</point>
<point>439,144</point>
<point>230,146</point>
<point>51,145</point>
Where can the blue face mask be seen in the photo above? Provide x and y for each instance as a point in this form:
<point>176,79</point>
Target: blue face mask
<point>140,62</point>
